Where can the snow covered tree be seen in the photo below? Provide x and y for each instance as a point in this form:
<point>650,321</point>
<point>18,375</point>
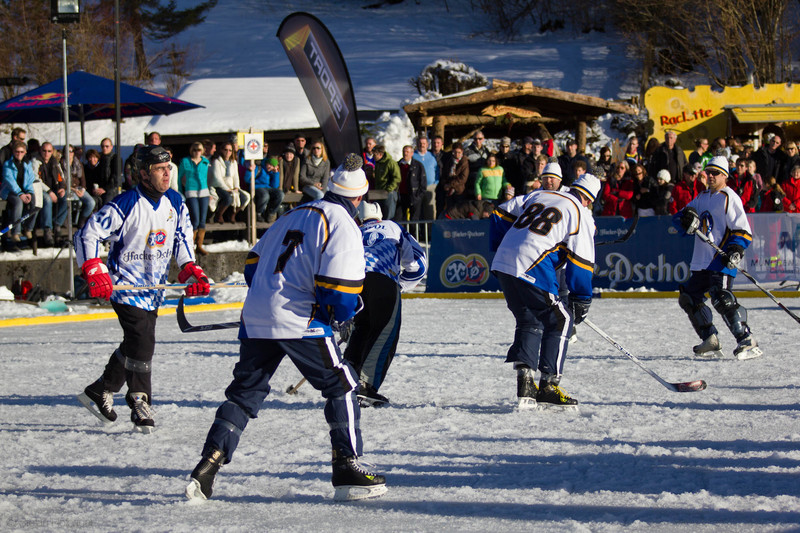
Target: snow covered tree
<point>443,77</point>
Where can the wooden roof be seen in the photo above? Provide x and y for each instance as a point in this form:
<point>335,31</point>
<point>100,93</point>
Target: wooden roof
<point>518,103</point>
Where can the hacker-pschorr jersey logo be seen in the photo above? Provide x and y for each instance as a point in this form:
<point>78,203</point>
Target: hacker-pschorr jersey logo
<point>157,238</point>
<point>459,269</point>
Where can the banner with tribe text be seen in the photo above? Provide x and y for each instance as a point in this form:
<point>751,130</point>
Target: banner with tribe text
<point>322,72</point>
<point>654,257</point>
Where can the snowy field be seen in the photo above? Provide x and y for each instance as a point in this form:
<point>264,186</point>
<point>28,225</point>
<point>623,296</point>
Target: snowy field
<point>456,453</point>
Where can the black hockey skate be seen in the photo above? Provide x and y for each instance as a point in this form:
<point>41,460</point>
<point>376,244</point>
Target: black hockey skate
<point>526,388</point>
<point>551,395</point>
<point>141,412</point>
<point>99,402</point>
<point>200,487</point>
<point>747,349</point>
<point>353,481</point>
<point>710,348</point>
<point>369,397</point>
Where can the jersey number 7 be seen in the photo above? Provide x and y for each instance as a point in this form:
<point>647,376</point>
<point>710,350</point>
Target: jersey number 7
<point>291,240</point>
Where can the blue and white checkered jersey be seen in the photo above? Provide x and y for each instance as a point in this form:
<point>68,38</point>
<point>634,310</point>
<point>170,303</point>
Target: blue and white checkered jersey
<point>144,236</point>
<point>390,250</point>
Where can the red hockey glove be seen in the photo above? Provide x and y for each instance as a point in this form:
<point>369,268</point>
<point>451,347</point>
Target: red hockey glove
<point>96,275</point>
<point>200,287</point>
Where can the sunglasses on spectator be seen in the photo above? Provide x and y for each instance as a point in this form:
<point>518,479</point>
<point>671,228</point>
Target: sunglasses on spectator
<point>318,148</point>
<point>713,173</point>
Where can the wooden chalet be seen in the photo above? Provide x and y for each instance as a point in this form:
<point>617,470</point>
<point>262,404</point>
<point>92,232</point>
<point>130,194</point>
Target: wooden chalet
<point>513,109</point>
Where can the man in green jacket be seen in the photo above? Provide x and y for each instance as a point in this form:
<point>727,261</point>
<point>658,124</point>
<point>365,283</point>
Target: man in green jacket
<point>387,178</point>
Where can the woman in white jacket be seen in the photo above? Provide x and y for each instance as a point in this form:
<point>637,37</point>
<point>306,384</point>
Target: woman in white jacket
<point>224,178</point>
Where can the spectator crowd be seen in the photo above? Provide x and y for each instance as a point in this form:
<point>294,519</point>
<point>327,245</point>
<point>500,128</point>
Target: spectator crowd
<point>428,180</point>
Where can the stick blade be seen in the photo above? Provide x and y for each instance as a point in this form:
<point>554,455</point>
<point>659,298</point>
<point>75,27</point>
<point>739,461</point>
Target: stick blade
<point>182,322</point>
<point>690,386</point>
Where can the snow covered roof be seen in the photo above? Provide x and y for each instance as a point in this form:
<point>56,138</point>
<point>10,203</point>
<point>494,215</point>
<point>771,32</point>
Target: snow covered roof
<point>237,104</point>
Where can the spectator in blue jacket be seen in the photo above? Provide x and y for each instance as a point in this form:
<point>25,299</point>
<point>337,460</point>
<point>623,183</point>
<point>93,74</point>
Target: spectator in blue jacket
<point>17,189</point>
<point>269,193</point>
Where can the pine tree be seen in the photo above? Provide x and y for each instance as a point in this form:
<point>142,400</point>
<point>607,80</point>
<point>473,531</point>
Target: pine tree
<point>158,21</point>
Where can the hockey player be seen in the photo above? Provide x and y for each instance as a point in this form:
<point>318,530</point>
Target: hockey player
<point>395,262</point>
<point>717,212</point>
<point>535,236</point>
<point>147,226</point>
<point>304,275</point>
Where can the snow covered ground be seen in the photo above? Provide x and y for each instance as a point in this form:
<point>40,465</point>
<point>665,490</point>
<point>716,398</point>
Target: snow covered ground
<point>457,455</point>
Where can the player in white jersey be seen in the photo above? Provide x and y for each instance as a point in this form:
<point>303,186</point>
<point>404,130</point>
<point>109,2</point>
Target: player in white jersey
<point>146,226</point>
<point>395,262</point>
<point>719,214</point>
<point>304,274</point>
<point>551,181</point>
<point>535,236</point>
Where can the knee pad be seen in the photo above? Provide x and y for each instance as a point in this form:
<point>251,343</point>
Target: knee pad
<point>734,315</point>
<point>723,301</point>
<point>699,314</point>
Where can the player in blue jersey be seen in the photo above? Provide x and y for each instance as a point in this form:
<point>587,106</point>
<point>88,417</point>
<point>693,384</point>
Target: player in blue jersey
<point>395,262</point>
<point>719,214</point>
<point>535,236</point>
<point>304,276</point>
<point>146,227</point>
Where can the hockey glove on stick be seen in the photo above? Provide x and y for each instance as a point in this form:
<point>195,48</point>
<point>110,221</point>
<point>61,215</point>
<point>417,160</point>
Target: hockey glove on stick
<point>732,256</point>
<point>580,308</point>
<point>690,220</point>
<point>200,287</point>
<point>95,273</point>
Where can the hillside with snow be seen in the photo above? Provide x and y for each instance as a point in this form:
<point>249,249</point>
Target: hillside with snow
<point>384,48</point>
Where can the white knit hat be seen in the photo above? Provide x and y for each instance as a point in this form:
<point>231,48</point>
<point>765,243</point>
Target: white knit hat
<point>349,180</point>
<point>552,169</point>
<point>664,174</point>
<point>370,210</point>
<point>589,185</point>
<point>718,163</point>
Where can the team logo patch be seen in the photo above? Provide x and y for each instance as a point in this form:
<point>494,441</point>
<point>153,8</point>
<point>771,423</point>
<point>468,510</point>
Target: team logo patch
<point>458,269</point>
<point>157,238</point>
<point>372,238</point>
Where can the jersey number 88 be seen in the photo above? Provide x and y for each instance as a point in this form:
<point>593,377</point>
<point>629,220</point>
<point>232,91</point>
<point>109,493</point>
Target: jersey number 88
<point>538,219</point>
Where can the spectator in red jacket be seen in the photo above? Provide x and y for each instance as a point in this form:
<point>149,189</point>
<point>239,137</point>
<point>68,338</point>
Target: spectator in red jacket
<point>741,181</point>
<point>687,188</point>
<point>618,192</point>
<point>791,202</point>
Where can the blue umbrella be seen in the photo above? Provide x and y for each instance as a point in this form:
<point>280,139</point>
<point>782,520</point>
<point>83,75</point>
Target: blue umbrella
<point>90,98</point>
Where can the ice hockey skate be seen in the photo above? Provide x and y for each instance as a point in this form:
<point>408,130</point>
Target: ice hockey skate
<point>99,402</point>
<point>353,481</point>
<point>141,412</point>
<point>709,348</point>
<point>747,349</point>
<point>551,396</point>
<point>526,388</point>
<point>369,397</point>
<point>202,477</point>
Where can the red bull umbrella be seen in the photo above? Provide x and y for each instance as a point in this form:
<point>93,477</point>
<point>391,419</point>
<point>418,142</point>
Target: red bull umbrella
<point>90,98</point>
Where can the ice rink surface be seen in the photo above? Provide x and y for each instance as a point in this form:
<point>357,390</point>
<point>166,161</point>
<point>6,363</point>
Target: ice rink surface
<point>456,453</point>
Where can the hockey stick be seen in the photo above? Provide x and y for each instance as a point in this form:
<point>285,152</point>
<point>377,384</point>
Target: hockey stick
<point>687,386</point>
<point>22,219</point>
<point>703,237</point>
<point>293,388</point>
<point>231,285</point>
<point>188,328</point>
<point>627,235</point>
